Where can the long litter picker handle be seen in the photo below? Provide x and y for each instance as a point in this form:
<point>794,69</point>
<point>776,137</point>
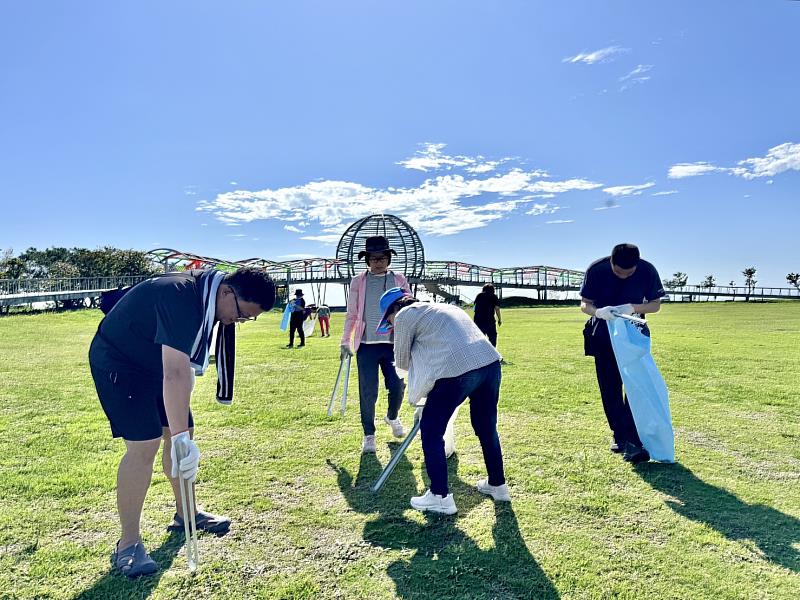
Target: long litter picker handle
<point>397,456</point>
<point>344,361</point>
<point>187,504</point>
<point>346,382</point>
<point>335,387</point>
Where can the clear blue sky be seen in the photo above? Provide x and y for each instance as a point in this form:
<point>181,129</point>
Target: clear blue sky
<point>509,133</point>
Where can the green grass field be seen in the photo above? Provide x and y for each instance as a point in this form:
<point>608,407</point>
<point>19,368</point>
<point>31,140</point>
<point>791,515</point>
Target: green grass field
<point>724,522</point>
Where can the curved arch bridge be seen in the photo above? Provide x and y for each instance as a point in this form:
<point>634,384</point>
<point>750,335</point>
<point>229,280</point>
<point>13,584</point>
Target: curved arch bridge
<point>436,276</point>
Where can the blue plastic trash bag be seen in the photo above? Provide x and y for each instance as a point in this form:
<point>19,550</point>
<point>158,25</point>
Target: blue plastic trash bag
<point>287,313</point>
<point>645,388</point>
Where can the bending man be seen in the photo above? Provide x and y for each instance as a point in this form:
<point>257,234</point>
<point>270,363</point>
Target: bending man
<point>143,358</point>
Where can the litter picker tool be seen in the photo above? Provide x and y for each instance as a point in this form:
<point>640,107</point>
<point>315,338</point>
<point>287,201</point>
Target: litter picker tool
<point>637,320</point>
<point>344,365</point>
<point>187,504</point>
<point>397,456</point>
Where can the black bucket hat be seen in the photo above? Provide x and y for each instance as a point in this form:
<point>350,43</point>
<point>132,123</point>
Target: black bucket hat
<point>376,245</point>
<point>298,292</point>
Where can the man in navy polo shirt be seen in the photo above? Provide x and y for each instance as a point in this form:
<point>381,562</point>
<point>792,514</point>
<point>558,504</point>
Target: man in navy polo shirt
<point>143,359</point>
<point>622,283</point>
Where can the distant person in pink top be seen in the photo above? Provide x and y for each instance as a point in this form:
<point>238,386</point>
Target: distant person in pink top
<point>373,351</point>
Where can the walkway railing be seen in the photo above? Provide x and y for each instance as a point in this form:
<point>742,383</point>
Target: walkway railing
<point>15,287</point>
<point>694,292</point>
<point>443,273</point>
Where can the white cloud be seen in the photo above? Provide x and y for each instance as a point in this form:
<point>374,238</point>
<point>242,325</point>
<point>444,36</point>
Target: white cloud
<point>628,190</point>
<point>558,187</point>
<point>785,157</point>
<point>443,205</point>
<point>292,228</point>
<point>234,182</point>
<point>682,170</point>
<point>542,209</point>
<point>665,193</point>
<point>635,76</point>
<point>237,235</point>
<point>296,256</point>
<point>560,221</point>
<point>607,207</point>
<point>590,58</point>
<point>431,158</point>
<point>779,159</point>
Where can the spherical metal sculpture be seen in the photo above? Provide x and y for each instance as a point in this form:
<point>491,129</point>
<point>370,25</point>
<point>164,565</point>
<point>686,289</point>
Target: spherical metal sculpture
<point>410,259</point>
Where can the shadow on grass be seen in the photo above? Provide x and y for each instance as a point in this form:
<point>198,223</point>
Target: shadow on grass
<point>771,530</point>
<point>115,585</point>
<point>446,563</point>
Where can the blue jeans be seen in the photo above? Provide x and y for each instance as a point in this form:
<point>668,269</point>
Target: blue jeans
<point>482,386</point>
<point>369,357</point>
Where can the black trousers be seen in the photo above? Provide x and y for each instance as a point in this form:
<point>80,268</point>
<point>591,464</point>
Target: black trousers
<point>370,358</point>
<point>296,324</point>
<point>615,404</point>
<point>489,329</point>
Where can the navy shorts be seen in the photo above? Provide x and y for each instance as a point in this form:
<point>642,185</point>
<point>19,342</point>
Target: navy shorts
<point>134,407</point>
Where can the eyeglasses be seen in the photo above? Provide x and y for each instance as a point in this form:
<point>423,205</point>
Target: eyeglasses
<point>241,317</point>
<point>378,258</point>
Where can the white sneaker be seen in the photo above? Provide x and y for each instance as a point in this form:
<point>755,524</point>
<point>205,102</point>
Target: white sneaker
<point>397,427</point>
<point>498,492</point>
<point>369,444</point>
<point>435,503</point>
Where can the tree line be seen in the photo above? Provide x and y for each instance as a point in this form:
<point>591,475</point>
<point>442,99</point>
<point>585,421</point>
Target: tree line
<point>74,262</point>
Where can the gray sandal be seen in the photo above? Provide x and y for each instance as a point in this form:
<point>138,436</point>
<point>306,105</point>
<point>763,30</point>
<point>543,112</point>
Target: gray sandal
<point>133,561</point>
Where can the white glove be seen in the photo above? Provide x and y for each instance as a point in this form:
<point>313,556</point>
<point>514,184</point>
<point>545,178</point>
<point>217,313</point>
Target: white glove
<point>401,373</point>
<point>345,351</point>
<point>623,309</point>
<point>606,313</point>
<point>190,463</point>
<point>418,413</point>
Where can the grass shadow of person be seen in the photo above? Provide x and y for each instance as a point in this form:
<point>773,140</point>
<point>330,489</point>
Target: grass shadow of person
<point>446,563</point>
<point>115,585</point>
<point>771,530</point>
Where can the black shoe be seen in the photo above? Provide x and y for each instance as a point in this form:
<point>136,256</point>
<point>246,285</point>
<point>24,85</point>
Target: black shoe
<point>205,521</point>
<point>289,346</point>
<point>615,447</point>
<point>635,454</point>
<point>301,345</point>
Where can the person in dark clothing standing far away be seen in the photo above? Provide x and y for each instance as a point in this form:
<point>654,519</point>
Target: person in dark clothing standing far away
<point>143,359</point>
<point>372,350</point>
<point>622,283</point>
<point>448,360</point>
<point>296,319</point>
<point>487,306</point>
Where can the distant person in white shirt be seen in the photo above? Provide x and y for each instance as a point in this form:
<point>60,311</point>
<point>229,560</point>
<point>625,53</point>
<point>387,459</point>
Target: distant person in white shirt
<point>448,360</point>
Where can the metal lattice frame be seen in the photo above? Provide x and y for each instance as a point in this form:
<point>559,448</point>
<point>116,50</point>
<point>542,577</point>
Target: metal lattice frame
<point>410,259</point>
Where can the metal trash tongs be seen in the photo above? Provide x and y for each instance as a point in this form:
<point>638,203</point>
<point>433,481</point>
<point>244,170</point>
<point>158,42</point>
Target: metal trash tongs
<point>344,361</point>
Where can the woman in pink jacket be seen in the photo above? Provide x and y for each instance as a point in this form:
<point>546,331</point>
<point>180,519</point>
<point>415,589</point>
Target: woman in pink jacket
<point>373,351</point>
